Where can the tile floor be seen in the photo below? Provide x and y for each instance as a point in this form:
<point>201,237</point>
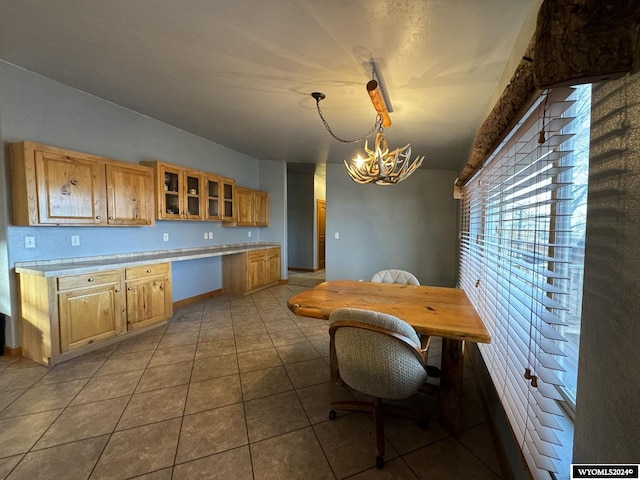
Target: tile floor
<point>231,388</point>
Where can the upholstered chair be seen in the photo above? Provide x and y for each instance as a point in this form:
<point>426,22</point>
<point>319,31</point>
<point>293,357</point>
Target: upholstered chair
<point>395,276</point>
<point>379,355</point>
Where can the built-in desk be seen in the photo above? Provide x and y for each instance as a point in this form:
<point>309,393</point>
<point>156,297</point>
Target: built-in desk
<point>72,306</point>
<point>54,268</point>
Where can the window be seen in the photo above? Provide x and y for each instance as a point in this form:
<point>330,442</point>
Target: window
<point>521,261</point>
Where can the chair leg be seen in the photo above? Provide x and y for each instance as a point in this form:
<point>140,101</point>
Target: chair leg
<point>378,420</point>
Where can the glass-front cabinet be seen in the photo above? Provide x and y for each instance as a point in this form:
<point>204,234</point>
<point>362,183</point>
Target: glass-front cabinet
<point>228,199</point>
<point>213,202</point>
<point>179,192</point>
<point>185,194</point>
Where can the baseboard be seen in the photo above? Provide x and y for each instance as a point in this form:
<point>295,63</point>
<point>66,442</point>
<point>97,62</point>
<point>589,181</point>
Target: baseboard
<point>283,281</point>
<point>12,352</point>
<point>509,455</point>
<point>295,269</point>
<point>197,298</point>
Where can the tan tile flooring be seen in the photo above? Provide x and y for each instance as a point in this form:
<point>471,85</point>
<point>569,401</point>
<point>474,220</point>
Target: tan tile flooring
<point>231,388</point>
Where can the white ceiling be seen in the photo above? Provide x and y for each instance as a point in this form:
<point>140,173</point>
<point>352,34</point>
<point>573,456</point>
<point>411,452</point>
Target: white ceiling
<point>240,72</point>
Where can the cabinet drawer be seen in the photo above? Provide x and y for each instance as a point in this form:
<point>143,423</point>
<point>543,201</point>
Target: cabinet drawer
<point>255,254</point>
<point>146,271</point>
<point>88,280</point>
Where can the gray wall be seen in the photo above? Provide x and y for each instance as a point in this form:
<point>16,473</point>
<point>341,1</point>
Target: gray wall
<point>411,226</point>
<point>35,108</point>
<point>607,423</point>
<point>300,217</point>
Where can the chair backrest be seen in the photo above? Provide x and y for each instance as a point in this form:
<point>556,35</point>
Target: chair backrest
<point>376,353</point>
<point>395,276</point>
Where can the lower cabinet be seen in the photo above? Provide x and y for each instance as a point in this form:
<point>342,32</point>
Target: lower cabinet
<point>63,317</point>
<point>90,309</point>
<point>148,295</point>
<point>248,272</point>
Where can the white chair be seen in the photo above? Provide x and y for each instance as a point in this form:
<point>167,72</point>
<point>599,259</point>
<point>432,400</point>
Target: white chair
<point>395,276</point>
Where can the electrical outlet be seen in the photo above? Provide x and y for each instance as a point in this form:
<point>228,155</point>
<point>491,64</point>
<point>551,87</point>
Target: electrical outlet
<point>210,235</point>
<point>336,235</point>
<point>75,240</point>
<point>29,242</point>
<point>206,235</point>
<point>165,237</point>
<point>249,233</point>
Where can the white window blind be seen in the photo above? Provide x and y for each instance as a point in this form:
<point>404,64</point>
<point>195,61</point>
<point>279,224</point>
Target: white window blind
<point>514,255</point>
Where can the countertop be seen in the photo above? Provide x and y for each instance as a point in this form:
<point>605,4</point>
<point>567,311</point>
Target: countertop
<point>72,266</point>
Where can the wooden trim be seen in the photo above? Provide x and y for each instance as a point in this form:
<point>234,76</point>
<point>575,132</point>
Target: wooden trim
<point>197,298</point>
<point>296,269</point>
<point>12,352</point>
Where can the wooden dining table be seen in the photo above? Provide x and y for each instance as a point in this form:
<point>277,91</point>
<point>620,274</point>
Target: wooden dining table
<point>432,311</point>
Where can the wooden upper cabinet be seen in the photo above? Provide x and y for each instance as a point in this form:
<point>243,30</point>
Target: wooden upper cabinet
<point>54,186</point>
<point>253,207</point>
<point>229,201</point>
<point>261,208</point>
<point>212,198</point>
<point>70,189</point>
<point>245,207</point>
<point>180,192</point>
<point>129,195</point>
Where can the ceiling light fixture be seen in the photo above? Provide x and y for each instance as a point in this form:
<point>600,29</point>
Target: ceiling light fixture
<point>381,166</point>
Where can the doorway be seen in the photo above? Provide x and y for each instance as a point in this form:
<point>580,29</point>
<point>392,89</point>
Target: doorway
<point>322,224</point>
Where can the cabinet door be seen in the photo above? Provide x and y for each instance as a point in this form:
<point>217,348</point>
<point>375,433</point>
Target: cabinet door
<point>89,315</point>
<point>273,265</point>
<point>129,195</point>
<point>229,208</point>
<point>261,209</point>
<point>212,208</point>
<point>244,199</point>
<point>70,190</point>
<point>192,192</point>
<point>147,301</point>
<point>255,270</point>
<point>170,197</point>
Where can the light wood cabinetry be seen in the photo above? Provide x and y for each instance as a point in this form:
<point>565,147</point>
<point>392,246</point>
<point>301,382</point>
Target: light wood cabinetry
<point>248,272</point>
<point>213,191</point>
<point>66,316</point>
<point>180,192</point>
<point>148,295</point>
<point>54,186</point>
<point>90,308</point>
<point>229,206</point>
<point>253,207</point>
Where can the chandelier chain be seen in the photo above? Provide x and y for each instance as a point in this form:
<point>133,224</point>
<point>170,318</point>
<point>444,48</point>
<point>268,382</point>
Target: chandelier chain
<point>376,128</point>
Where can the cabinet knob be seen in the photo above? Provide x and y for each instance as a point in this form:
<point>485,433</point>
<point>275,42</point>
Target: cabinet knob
<point>129,288</point>
<point>98,217</point>
<point>149,271</point>
<point>117,290</point>
<point>89,279</point>
<point>111,217</point>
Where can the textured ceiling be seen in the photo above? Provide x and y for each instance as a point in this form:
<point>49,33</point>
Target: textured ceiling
<point>240,72</point>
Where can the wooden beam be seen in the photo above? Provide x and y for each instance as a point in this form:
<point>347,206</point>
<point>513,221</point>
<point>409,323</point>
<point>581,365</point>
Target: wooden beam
<point>585,41</point>
<point>517,96</point>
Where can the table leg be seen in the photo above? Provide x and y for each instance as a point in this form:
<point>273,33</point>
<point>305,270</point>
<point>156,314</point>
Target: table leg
<point>451,384</point>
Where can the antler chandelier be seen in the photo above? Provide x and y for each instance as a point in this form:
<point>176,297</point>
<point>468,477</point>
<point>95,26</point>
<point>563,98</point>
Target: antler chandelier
<point>380,166</point>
